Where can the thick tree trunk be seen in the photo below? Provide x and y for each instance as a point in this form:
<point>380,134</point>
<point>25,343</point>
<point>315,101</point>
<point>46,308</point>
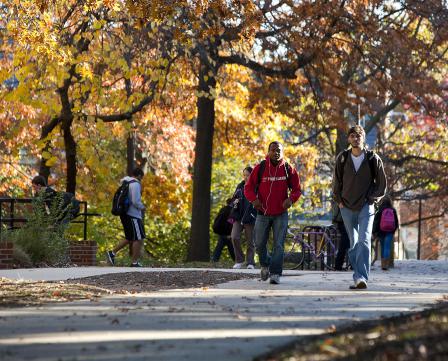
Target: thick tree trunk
<point>69,141</point>
<point>199,246</point>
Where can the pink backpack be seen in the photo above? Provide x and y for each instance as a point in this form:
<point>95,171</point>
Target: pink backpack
<point>387,222</point>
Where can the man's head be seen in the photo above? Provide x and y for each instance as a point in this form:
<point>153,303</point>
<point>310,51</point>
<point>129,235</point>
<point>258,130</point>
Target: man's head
<point>357,137</point>
<point>138,173</point>
<point>38,182</point>
<point>275,152</point>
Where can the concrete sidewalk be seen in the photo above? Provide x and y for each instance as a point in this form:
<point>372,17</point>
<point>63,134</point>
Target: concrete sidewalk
<point>234,321</point>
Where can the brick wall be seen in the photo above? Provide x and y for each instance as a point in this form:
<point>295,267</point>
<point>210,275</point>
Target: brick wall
<point>82,253</point>
<point>6,251</point>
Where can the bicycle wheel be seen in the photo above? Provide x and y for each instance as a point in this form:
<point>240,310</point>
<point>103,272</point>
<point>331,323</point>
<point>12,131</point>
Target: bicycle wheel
<point>293,255</point>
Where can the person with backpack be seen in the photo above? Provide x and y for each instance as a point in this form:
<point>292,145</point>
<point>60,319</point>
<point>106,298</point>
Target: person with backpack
<point>222,227</point>
<point>384,226</point>
<point>359,181</point>
<point>128,205</point>
<point>61,206</point>
<point>267,190</point>
<point>243,217</point>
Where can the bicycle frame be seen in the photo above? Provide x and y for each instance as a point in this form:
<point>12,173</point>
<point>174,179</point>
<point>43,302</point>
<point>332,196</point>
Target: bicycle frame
<point>323,250</point>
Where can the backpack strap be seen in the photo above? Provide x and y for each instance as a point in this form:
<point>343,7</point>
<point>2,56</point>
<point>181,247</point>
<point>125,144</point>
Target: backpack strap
<point>260,174</point>
<point>370,154</point>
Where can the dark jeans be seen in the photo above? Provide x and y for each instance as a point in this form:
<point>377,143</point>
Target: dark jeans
<point>222,242</point>
<point>343,246</point>
<point>263,225</point>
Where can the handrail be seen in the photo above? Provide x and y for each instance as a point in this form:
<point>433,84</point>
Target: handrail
<point>12,210</point>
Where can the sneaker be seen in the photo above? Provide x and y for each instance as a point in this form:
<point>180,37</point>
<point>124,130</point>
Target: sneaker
<point>136,264</point>
<point>250,266</point>
<point>359,285</point>
<point>264,273</point>
<point>275,279</point>
<point>110,258</point>
<point>237,266</point>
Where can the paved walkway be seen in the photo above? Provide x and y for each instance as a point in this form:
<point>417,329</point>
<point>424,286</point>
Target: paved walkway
<point>234,321</point>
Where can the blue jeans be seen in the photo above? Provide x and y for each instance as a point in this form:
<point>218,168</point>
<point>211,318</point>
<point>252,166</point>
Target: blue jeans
<point>359,228</point>
<point>263,225</point>
<point>386,245</point>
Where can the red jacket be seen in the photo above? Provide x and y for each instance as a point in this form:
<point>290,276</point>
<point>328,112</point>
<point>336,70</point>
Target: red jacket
<point>273,188</point>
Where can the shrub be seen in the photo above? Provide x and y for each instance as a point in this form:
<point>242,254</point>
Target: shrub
<point>41,239</point>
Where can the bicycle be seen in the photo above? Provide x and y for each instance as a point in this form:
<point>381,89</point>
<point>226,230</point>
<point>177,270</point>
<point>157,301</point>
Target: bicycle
<point>311,245</point>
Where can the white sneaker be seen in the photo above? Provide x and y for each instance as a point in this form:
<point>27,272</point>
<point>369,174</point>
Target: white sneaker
<point>250,266</point>
<point>237,266</point>
<point>274,279</point>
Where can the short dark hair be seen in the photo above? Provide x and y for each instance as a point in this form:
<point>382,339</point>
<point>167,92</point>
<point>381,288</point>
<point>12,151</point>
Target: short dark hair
<point>357,129</point>
<point>248,168</point>
<point>275,142</point>
<point>137,172</point>
<point>39,180</point>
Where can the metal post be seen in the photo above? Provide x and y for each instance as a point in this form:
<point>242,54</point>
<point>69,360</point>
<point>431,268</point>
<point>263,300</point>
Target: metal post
<point>85,221</point>
<point>419,237</point>
<point>11,213</point>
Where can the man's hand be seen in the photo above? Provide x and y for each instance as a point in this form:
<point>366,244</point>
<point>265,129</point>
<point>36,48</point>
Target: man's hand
<point>257,204</point>
<point>287,203</point>
<point>341,205</point>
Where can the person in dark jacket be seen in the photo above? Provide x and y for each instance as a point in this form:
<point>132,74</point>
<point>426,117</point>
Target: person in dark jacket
<point>385,232</point>
<point>272,192</point>
<point>243,215</point>
<point>52,204</point>
<point>222,227</point>
<point>344,241</point>
<point>359,181</point>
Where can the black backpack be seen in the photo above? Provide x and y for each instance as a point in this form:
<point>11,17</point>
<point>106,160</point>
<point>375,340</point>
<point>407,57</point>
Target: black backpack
<point>220,225</point>
<point>70,205</point>
<point>121,202</point>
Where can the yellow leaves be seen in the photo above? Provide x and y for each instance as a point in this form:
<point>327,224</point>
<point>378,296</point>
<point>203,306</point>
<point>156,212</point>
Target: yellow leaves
<point>85,71</point>
<point>51,161</point>
<point>46,155</point>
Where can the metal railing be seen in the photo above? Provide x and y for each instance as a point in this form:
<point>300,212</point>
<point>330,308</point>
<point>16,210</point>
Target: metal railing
<point>12,218</point>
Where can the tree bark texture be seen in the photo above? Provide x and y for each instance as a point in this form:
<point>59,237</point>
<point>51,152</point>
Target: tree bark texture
<point>199,245</point>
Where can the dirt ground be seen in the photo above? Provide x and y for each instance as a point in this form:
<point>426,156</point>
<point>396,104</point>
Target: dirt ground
<point>23,293</point>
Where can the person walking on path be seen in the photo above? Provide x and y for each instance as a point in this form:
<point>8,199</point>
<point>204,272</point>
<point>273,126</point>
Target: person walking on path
<point>344,241</point>
<point>132,221</point>
<point>222,227</point>
<point>243,216</point>
<point>267,189</point>
<point>359,181</point>
<point>384,226</point>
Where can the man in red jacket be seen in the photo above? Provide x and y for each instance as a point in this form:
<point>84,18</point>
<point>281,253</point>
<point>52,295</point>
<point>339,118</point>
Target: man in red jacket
<point>267,189</point>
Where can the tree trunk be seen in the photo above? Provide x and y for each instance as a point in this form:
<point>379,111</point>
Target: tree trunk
<point>70,156</point>
<point>44,170</point>
<point>130,151</point>
<point>341,140</point>
<point>199,246</point>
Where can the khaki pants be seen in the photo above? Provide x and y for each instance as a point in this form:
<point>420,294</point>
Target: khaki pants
<point>237,229</point>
